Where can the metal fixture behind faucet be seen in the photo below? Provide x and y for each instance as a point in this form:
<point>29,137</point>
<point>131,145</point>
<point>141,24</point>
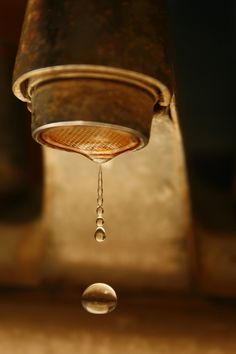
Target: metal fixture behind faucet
<point>91,73</point>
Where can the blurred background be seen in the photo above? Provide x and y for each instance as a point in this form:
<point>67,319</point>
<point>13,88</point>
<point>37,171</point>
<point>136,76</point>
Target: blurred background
<point>170,213</point>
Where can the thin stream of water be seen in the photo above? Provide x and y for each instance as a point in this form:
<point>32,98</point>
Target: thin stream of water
<point>99,298</point>
<point>100,233</point>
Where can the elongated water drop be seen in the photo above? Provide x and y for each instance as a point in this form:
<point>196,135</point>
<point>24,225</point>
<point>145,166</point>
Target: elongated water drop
<point>99,298</point>
<point>100,233</point>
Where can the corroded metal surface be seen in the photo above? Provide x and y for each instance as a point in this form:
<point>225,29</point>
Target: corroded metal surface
<point>96,105</point>
<point>122,34</point>
<point>103,62</point>
<point>93,101</point>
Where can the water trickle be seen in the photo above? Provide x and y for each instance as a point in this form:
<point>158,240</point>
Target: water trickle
<point>99,298</point>
<point>100,233</point>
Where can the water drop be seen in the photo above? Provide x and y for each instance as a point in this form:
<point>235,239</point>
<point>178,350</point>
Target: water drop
<point>99,298</point>
<point>99,221</point>
<point>100,234</point>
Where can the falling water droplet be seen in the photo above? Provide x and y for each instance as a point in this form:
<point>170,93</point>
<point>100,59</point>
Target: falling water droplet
<point>100,234</point>
<point>99,298</point>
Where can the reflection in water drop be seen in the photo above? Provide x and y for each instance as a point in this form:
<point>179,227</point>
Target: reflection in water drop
<point>100,234</point>
<point>99,298</point>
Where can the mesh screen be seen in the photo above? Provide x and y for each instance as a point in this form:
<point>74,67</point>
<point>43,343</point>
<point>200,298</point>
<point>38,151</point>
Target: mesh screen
<point>92,141</point>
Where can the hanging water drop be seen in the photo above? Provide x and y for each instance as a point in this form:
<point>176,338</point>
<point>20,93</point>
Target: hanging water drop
<point>99,298</point>
<point>100,233</point>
